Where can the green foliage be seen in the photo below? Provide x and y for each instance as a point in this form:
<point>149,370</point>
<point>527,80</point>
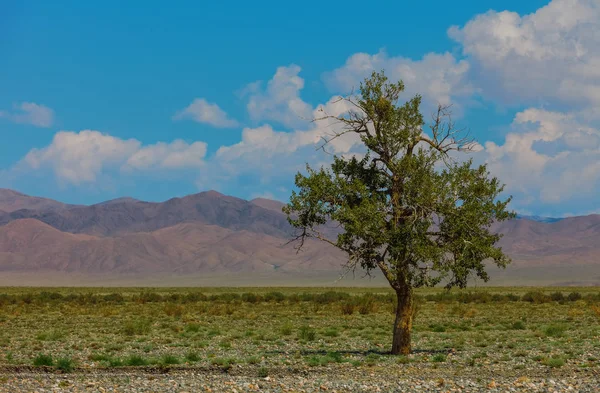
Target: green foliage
<point>555,330</point>
<point>137,327</point>
<point>554,361</point>
<point>192,357</point>
<point>439,358</point>
<point>307,333</point>
<point>65,365</point>
<point>402,212</point>
<point>43,360</point>
<point>136,360</point>
<point>169,360</point>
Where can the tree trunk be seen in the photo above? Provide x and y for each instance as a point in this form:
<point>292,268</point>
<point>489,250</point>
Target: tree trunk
<point>403,323</point>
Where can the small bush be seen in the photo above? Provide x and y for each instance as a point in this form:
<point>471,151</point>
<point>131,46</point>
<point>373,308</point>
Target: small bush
<point>137,328</point>
<point>307,333</point>
<point>553,362</point>
<point>574,296</point>
<point>557,296</point>
<point>263,372</point>
<point>250,298</point>
<point>286,329</point>
<point>518,325</point>
<point>366,305</point>
<point>555,330</point>
<point>169,360</point>
<point>331,332</point>
<point>439,358</point>
<point>136,360</point>
<point>192,328</point>
<point>274,297</point>
<point>173,310</point>
<point>65,365</point>
<point>535,297</point>
<point>348,307</point>
<point>192,357</point>
<point>43,360</point>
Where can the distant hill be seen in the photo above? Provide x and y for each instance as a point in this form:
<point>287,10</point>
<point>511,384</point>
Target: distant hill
<point>211,233</point>
<point>12,200</point>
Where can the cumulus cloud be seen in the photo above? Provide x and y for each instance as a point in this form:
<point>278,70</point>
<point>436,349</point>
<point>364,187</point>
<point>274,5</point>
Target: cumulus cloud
<point>203,111</point>
<point>548,157</point>
<point>439,78</point>
<point>81,157</point>
<point>30,113</point>
<point>549,57</point>
<point>175,155</point>
<point>280,101</point>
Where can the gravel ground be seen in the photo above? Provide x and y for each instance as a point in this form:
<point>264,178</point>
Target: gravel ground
<point>327,379</point>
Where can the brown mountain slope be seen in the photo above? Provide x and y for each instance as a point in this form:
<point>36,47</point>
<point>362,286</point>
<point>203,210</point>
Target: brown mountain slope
<point>30,245</point>
<point>119,217</point>
<point>11,200</point>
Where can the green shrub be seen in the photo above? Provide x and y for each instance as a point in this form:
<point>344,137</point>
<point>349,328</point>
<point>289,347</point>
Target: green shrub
<point>192,328</point>
<point>169,360</point>
<point>518,325</point>
<point>192,357</point>
<point>554,362</point>
<point>137,328</point>
<point>136,360</point>
<point>535,297</point>
<point>555,330</point>
<point>557,296</point>
<point>439,358</point>
<point>274,297</point>
<point>43,360</point>
<point>307,333</point>
<point>286,329</point>
<point>574,296</point>
<point>263,372</point>
<point>65,365</point>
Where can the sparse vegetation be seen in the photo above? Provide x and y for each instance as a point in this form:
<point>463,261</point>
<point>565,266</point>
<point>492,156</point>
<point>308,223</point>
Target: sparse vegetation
<point>464,328</point>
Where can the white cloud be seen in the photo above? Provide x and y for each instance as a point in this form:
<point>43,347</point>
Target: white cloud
<point>175,155</point>
<point>30,113</point>
<point>203,111</point>
<point>280,101</point>
<point>81,157</point>
<point>439,78</point>
<point>550,57</point>
<point>548,157</point>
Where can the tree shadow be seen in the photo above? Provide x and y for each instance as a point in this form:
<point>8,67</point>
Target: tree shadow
<point>380,352</point>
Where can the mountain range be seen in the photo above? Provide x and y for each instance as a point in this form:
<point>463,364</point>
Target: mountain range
<point>222,238</point>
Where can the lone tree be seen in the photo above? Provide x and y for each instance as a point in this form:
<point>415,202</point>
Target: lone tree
<point>407,207</point>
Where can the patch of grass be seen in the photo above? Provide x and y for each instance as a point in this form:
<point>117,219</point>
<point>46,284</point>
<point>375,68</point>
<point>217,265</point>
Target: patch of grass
<point>307,333</point>
<point>554,362</point>
<point>518,325</point>
<point>52,335</point>
<point>439,358</point>
<point>263,372</point>
<point>555,330</point>
<point>64,364</point>
<point>137,327</point>
<point>136,360</point>
<point>168,360</point>
<point>192,357</point>
<point>43,360</point>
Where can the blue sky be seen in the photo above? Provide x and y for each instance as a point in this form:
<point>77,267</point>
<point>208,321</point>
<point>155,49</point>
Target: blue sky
<point>101,100</point>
